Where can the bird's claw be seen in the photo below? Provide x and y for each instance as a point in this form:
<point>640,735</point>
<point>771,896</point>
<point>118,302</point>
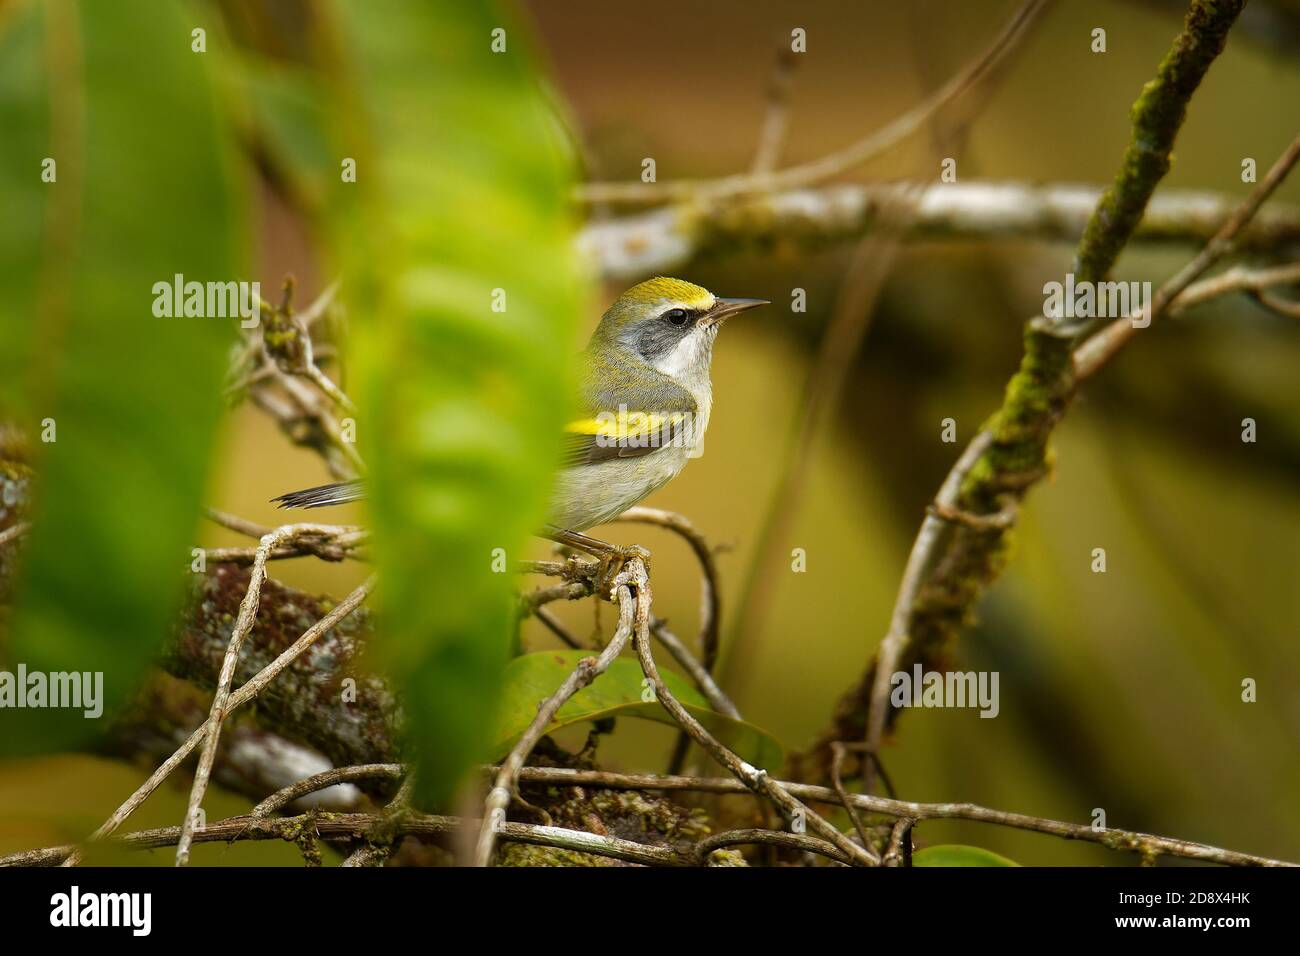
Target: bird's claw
<point>612,571</point>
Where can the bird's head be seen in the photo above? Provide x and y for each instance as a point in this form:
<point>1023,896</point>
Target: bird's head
<point>669,324</point>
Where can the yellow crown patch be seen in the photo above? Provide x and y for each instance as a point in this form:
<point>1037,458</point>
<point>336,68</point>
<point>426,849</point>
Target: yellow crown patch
<point>665,289</point>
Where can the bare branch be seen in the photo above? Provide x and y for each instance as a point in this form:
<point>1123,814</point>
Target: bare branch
<point>1126,840</point>
<point>1102,346</point>
<point>360,826</point>
<point>628,583</point>
<point>710,593</point>
<point>754,778</point>
<point>811,220</point>
<point>900,843</point>
<point>329,778</point>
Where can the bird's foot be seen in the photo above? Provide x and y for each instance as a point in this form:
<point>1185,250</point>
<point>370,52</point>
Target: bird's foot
<point>612,557</point>
<point>612,564</point>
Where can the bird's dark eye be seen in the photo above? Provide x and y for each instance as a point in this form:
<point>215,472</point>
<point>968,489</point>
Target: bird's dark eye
<point>677,316</point>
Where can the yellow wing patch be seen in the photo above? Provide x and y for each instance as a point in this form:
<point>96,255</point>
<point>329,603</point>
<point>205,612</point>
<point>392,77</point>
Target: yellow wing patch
<point>614,427</point>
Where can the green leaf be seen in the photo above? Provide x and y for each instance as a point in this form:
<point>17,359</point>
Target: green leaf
<point>288,121</point>
<point>532,678</point>
<point>25,119</point>
<point>461,189</point>
<point>144,190</point>
<point>953,854</point>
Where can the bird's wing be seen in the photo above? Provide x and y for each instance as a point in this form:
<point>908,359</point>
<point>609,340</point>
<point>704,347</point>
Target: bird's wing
<point>609,427</point>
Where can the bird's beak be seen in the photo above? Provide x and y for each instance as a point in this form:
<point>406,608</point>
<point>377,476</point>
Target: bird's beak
<point>724,308</point>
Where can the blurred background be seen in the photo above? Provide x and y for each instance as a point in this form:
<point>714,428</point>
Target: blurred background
<point>1119,691</point>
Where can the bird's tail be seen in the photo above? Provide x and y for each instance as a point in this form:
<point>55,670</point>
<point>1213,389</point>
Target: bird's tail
<point>338,493</point>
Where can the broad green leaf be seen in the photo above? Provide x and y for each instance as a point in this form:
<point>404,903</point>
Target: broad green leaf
<point>114,95</point>
<point>461,197</point>
<point>532,678</point>
<point>953,854</point>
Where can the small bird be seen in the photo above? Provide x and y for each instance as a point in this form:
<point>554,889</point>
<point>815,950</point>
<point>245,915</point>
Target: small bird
<point>643,402</point>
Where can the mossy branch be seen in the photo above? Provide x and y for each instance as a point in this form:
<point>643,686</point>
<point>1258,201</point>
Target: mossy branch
<point>970,555</point>
<point>1157,117</point>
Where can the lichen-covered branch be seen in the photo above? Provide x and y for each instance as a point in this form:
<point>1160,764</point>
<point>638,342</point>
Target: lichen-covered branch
<point>802,221</point>
<point>324,699</point>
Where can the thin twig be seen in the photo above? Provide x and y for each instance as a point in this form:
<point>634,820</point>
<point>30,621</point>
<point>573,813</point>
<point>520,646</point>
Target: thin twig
<point>1103,345</point>
<point>318,412</point>
<point>570,591</point>
<point>1124,840</point>
<point>291,349</point>
<point>374,854</point>
<point>777,838</point>
<point>221,698</point>
<point>756,779</point>
<point>357,826</point>
<point>553,625</point>
<point>340,543</point>
<point>710,611</point>
<point>837,781</point>
<point>326,385</point>
<point>839,162</point>
<point>776,118</point>
<point>328,778</point>
<point>235,523</point>
<point>243,695</point>
<point>14,532</point>
<point>710,592</point>
<point>319,306</point>
<point>369,854</point>
<point>1236,279</point>
<point>702,679</point>
<point>246,556</point>
<point>505,787</point>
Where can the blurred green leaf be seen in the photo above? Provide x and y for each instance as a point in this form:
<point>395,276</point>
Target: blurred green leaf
<point>461,190</point>
<point>532,678</point>
<point>953,854</point>
<point>289,124</point>
<point>144,191</point>
<point>25,119</point>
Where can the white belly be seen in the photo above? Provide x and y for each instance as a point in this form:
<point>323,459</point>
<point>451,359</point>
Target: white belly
<point>593,494</point>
